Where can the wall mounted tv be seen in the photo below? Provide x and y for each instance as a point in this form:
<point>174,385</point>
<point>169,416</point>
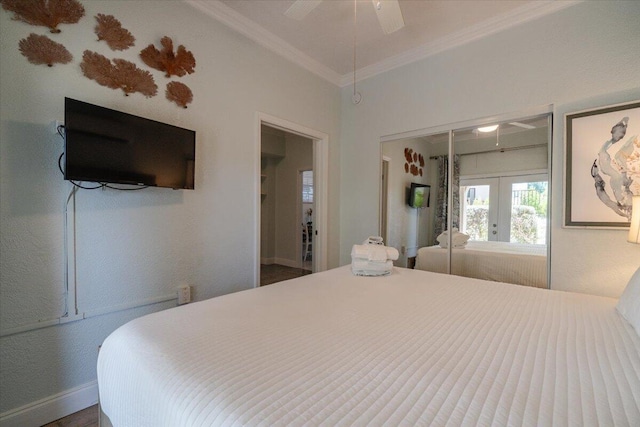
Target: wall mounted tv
<point>419,195</point>
<point>108,146</point>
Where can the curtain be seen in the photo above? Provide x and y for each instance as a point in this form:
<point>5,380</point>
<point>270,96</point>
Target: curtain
<point>442,199</point>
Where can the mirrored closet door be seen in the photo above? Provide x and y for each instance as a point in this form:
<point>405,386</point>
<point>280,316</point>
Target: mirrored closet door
<point>488,184</point>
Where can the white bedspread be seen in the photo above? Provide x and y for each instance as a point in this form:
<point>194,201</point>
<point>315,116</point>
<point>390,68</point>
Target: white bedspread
<point>412,348</point>
<point>518,263</point>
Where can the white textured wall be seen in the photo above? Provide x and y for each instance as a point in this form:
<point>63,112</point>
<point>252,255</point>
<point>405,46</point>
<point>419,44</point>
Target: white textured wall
<point>406,226</point>
<point>135,245</point>
<point>583,55</point>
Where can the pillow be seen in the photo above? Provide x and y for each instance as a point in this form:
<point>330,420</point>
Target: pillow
<point>629,303</point>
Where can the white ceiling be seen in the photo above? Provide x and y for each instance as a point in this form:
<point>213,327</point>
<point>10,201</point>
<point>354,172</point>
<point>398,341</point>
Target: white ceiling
<point>323,42</point>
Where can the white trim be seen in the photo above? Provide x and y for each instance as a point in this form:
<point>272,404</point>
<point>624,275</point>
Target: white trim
<point>85,315</point>
<point>52,408</point>
<point>232,19</point>
<point>267,261</point>
<point>468,124</point>
<point>526,172</point>
<point>321,190</point>
<point>384,196</point>
<point>131,305</point>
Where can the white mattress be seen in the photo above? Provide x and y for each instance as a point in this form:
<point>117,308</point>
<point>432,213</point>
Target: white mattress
<point>507,262</point>
<point>412,348</point>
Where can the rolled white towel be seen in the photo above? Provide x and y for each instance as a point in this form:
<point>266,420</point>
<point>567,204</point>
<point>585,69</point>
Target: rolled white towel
<point>458,240</point>
<point>374,252</point>
<point>373,240</point>
<point>392,253</point>
<point>458,245</point>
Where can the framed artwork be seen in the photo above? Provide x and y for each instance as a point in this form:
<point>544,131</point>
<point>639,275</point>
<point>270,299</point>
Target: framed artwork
<point>602,165</point>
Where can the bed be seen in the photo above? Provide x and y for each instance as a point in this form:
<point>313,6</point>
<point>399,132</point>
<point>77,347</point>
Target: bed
<point>523,264</point>
<point>411,348</point>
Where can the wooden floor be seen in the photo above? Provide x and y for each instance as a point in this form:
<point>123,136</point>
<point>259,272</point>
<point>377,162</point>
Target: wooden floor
<point>85,418</point>
<point>277,273</point>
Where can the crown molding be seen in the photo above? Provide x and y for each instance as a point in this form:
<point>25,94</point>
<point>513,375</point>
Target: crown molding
<point>494,25</point>
<point>232,19</point>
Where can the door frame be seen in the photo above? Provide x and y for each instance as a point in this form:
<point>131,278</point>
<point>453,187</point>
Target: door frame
<point>321,187</point>
<point>384,197</point>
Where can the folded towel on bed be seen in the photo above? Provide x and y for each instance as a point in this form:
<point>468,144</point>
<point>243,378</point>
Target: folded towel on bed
<point>374,252</point>
<point>371,268</point>
<point>458,240</point>
<point>372,258</point>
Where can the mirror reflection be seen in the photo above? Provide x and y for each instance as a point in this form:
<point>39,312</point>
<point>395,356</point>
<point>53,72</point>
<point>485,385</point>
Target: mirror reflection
<point>499,201</point>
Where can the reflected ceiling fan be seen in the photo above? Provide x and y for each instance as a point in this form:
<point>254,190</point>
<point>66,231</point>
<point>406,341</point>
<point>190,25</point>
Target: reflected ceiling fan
<point>388,11</point>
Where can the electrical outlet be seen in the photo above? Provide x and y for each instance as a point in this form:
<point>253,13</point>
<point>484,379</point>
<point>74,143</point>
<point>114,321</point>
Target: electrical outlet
<point>184,294</point>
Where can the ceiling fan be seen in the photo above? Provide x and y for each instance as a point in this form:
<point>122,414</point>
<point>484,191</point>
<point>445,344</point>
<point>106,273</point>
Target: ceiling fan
<point>388,11</point>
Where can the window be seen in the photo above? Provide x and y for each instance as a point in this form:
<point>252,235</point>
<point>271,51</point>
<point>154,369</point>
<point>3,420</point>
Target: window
<point>307,187</point>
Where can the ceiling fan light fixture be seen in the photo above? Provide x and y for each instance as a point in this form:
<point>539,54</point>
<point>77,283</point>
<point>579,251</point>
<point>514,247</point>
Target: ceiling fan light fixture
<point>486,129</point>
<point>301,8</point>
<point>389,15</point>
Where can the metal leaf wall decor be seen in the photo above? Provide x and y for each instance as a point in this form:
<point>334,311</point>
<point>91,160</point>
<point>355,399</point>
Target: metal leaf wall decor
<point>179,93</point>
<point>118,74</point>
<point>46,13</point>
<point>110,30</point>
<point>42,50</point>
<point>414,162</point>
<point>112,73</point>
<point>173,64</point>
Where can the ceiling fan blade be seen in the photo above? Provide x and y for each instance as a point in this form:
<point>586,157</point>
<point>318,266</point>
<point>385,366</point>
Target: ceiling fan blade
<point>389,15</point>
<point>522,125</point>
<point>301,8</point>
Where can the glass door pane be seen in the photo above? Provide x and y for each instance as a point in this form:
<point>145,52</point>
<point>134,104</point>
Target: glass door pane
<point>524,209</point>
<point>479,208</point>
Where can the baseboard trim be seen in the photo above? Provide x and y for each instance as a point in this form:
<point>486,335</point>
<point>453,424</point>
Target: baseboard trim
<point>51,408</point>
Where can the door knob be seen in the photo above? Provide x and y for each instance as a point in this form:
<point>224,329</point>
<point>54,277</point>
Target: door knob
<point>494,232</point>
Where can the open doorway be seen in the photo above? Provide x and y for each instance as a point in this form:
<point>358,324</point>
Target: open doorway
<point>291,219</point>
<point>306,215</point>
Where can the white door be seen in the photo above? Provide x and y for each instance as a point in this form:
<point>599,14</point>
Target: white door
<point>506,209</point>
<point>479,198</point>
<point>523,208</point>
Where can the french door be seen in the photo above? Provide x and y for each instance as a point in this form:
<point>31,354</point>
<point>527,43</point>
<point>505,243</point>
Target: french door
<point>506,208</point>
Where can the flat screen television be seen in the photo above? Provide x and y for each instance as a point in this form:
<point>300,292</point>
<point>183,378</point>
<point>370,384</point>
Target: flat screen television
<point>419,195</point>
<point>109,146</point>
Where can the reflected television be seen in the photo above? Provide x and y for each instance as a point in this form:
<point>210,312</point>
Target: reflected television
<point>111,147</point>
<point>419,195</point>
